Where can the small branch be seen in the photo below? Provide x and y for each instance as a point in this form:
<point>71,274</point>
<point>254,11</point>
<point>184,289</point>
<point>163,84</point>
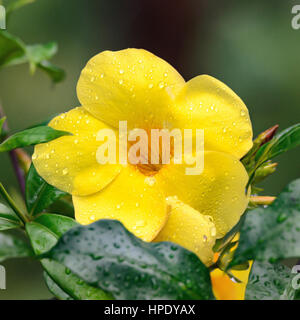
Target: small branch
<point>14,158</point>
<point>12,204</point>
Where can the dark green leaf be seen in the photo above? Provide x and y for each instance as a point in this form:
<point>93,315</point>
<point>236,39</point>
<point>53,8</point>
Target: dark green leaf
<point>272,233</point>
<point>39,194</point>
<point>31,137</point>
<point>282,142</point>
<point>8,219</point>
<point>270,282</point>
<point>44,233</point>
<point>106,255</point>
<point>13,246</point>
<point>63,206</point>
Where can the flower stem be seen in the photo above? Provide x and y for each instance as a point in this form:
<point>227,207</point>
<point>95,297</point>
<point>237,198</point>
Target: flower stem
<point>14,158</point>
<point>12,204</point>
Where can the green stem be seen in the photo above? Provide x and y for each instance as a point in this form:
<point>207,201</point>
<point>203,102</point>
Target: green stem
<point>12,204</point>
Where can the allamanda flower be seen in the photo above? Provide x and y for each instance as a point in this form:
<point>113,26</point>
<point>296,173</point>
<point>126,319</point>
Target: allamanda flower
<point>155,202</point>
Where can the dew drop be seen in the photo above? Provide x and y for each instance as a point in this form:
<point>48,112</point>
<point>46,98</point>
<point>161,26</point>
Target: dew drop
<point>161,85</point>
<point>213,231</point>
<point>65,171</point>
<point>150,181</point>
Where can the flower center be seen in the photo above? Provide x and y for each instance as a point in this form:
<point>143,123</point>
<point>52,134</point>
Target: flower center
<point>151,154</point>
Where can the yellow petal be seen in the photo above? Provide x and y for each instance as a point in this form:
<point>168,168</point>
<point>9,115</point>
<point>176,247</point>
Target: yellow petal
<point>226,289</point>
<point>190,229</point>
<point>69,162</point>
<point>207,103</point>
<point>131,198</point>
<point>218,192</point>
<point>132,85</point>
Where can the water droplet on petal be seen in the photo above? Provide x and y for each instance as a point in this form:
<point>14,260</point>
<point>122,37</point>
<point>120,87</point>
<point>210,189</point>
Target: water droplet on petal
<point>161,85</point>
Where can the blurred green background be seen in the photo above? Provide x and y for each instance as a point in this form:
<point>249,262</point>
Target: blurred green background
<point>249,45</point>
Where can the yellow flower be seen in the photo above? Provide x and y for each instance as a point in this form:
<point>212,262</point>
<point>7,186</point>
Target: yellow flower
<point>155,202</point>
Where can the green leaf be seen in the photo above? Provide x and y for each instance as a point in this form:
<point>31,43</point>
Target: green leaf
<point>72,285</point>
<point>13,246</point>
<point>55,73</point>
<point>44,232</point>
<point>270,282</point>
<point>106,255</point>
<point>272,233</point>
<point>282,142</point>
<point>8,219</point>
<point>63,206</point>
<point>31,137</point>
<point>39,194</point>
<point>13,51</point>
<point>55,289</point>
<point>46,229</point>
